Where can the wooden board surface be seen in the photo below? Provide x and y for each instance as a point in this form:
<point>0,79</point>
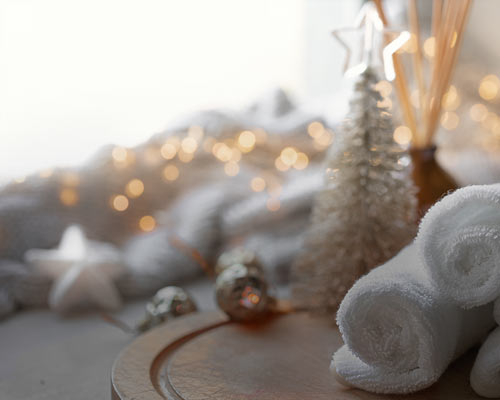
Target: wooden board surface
<point>206,357</point>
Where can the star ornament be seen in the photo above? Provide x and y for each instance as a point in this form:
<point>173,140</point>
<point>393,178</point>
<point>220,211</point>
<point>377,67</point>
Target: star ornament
<point>369,23</point>
<point>83,272</point>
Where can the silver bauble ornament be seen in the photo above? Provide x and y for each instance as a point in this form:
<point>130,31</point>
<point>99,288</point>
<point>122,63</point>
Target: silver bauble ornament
<point>238,255</point>
<point>168,303</point>
<point>242,292</point>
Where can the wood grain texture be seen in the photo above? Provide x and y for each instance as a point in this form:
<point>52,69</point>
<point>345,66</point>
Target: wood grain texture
<point>134,372</point>
<point>205,357</point>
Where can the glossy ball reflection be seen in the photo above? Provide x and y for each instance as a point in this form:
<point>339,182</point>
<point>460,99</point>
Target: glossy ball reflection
<point>242,292</point>
<point>168,303</point>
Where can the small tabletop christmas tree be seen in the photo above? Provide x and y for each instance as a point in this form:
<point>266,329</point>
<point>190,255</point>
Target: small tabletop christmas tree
<point>366,212</point>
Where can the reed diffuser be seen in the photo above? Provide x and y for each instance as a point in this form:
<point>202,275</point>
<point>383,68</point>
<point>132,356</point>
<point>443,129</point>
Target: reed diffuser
<point>449,18</point>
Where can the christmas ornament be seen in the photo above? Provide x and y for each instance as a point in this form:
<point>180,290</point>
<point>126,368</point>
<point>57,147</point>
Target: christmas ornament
<point>168,303</point>
<point>366,211</point>
<point>369,22</point>
<point>238,255</point>
<point>241,292</point>
<point>83,272</point>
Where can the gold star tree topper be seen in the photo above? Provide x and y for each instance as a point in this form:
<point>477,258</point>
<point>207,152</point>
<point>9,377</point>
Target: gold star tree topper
<point>369,23</point>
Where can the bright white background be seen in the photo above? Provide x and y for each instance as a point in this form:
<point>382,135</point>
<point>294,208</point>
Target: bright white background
<point>77,74</point>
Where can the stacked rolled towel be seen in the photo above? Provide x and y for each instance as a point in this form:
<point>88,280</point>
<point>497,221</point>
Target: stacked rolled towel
<point>485,374</point>
<point>400,331</point>
<point>459,241</point>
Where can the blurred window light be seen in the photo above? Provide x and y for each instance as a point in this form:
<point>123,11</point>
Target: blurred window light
<point>76,75</point>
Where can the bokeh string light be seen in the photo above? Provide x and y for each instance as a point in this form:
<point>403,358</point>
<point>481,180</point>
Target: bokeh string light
<point>147,223</point>
<point>134,188</point>
<point>258,184</point>
<point>402,135</point>
<point>119,202</point>
<point>68,197</point>
<point>170,173</point>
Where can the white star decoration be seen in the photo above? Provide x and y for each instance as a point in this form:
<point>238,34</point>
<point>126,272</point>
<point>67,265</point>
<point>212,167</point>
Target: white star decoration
<point>368,21</point>
<point>83,272</point>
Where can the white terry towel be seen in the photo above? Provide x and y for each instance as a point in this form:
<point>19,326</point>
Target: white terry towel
<point>485,374</point>
<point>459,241</point>
<point>400,332</point>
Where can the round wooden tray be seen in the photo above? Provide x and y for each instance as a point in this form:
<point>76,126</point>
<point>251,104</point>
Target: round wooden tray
<point>204,356</point>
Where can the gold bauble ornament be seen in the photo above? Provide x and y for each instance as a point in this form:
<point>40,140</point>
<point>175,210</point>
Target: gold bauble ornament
<point>242,292</point>
<point>168,303</point>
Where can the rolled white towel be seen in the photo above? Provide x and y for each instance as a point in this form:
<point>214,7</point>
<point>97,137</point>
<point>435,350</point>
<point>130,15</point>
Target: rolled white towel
<point>459,242</point>
<point>485,374</point>
<point>400,332</point>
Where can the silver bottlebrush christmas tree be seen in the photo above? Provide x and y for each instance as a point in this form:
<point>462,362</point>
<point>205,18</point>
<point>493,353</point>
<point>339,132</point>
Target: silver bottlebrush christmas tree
<point>367,210</point>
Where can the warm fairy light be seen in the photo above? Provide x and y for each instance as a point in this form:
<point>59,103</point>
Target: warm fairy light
<point>488,87</point>
<point>385,103</point>
<point>288,156</point>
<point>478,112</point>
<point>119,202</point>
<point>147,223</point>
<point>216,147</point>
<point>70,179</point>
<point>258,184</point>
<point>168,151</point>
<point>222,152</point>
<point>260,135</point>
<point>384,88</point>
<point>119,154</point>
<point>231,168</point>
<point>170,172</point>
<point>273,204</point>
<point>46,173</point>
<point>450,120</point>
<point>415,99</point>
<point>122,157</point>
<point>185,157</point>
<point>189,145</point>
<point>402,135</point>
<point>196,132</point>
<point>134,188</point>
<point>20,179</point>
<point>430,47</point>
<point>246,141</point>
<point>315,129</point>
<point>68,197</point>
<point>301,162</point>
<point>324,140</point>
<point>208,144</point>
<point>451,100</point>
<point>280,165</point>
